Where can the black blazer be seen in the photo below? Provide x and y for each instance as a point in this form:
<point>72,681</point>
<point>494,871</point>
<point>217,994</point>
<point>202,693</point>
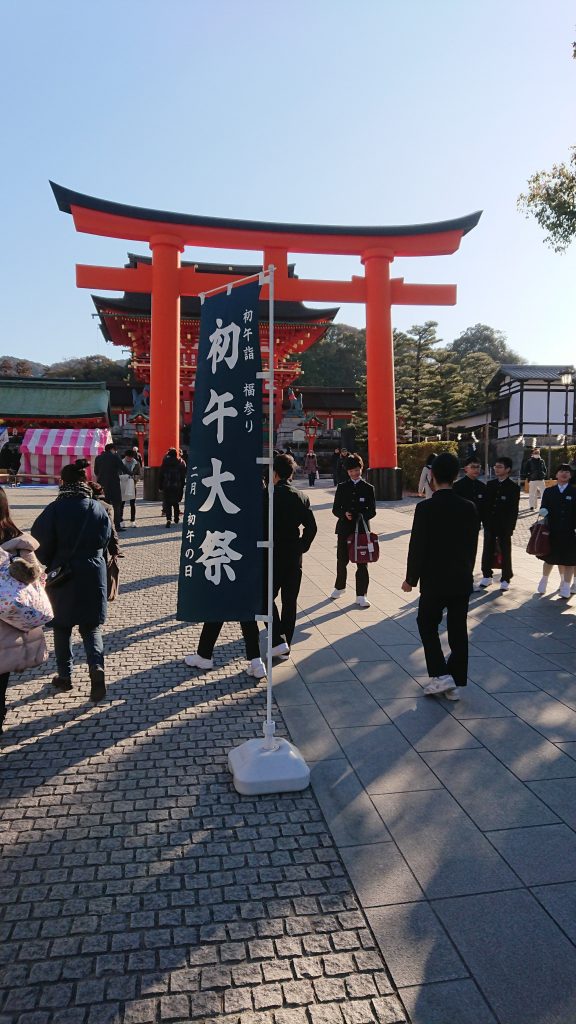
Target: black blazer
<point>472,490</point>
<point>291,511</point>
<point>502,500</point>
<point>561,506</point>
<point>443,545</point>
<point>359,499</point>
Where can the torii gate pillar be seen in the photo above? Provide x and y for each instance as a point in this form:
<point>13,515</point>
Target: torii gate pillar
<point>382,449</point>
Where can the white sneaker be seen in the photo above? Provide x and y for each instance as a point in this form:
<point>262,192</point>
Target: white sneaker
<point>195,661</point>
<point>362,601</point>
<point>541,588</point>
<point>257,668</point>
<point>281,650</point>
<point>564,589</point>
<point>486,581</point>
<point>452,694</point>
<point>504,585</point>
<point>439,685</point>
<point>336,594</point>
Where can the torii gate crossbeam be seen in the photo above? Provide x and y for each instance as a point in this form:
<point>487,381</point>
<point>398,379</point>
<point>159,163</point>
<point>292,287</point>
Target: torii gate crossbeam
<point>168,233</point>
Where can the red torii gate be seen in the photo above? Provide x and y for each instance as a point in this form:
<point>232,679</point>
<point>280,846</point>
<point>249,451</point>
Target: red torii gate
<point>168,233</point>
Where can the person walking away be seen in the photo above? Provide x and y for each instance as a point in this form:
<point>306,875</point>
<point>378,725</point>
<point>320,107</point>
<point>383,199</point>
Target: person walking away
<point>559,502</point>
<point>136,454</point>
<point>74,532</point>
<point>311,468</point>
<point>471,487</point>
<point>108,467</point>
<point>441,558</point>
<point>425,481</point>
<point>502,501</point>
<point>203,658</point>
<point>536,476</point>
<point>171,482</point>
<point>334,465</point>
<point>354,498</point>
<point>292,513</point>
<point>342,468</point>
<point>19,649</point>
<point>128,484</point>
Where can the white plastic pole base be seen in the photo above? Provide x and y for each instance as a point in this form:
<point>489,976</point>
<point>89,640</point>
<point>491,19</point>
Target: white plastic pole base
<point>257,768</point>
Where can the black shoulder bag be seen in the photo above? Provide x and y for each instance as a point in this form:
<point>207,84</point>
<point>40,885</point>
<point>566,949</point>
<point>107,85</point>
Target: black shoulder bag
<point>62,573</point>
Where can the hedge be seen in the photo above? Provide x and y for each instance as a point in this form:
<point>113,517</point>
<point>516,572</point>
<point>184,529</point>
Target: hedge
<point>411,458</point>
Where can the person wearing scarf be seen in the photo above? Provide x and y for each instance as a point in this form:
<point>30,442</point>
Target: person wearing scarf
<point>74,531</point>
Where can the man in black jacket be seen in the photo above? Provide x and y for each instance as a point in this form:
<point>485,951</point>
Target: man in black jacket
<point>441,557</point>
<point>470,487</point>
<point>502,501</point>
<point>536,476</point>
<point>355,497</point>
<point>108,467</point>
<point>291,511</point>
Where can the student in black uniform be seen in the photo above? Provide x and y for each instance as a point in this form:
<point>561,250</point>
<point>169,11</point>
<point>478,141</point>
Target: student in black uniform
<point>470,487</point>
<point>502,501</point>
<point>441,557</point>
<point>560,504</point>
<point>355,497</point>
<point>291,511</point>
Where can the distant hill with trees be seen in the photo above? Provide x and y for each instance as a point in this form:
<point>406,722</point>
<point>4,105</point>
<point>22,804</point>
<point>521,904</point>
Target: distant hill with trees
<point>80,368</point>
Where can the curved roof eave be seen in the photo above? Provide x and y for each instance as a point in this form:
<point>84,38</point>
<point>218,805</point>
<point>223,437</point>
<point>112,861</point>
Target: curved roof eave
<point>67,198</point>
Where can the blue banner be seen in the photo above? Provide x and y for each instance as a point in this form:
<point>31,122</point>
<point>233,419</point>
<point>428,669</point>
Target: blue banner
<point>220,564</point>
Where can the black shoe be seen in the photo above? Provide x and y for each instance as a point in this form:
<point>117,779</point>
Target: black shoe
<point>168,524</point>
<point>62,683</point>
<point>98,689</point>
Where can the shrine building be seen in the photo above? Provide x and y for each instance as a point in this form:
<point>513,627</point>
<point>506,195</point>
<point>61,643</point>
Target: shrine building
<point>127,323</point>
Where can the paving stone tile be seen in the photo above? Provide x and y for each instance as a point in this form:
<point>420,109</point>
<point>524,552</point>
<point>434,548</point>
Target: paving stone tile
<point>427,725</point>
<point>288,687</point>
<point>474,703</point>
<point>311,733</point>
<point>560,796</point>
<point>386,679</point>
<point>522,963</point>
<point>513,655</point>
<point>446,852</point>
<point>357,648</point>
<point>540,855</point>
<point>488,792</point>
<point>321,666</point>
<point>346,703</point>
<point>414,944</point>
<point>545,714</point>
<point>495,677</point>
<point>560,902</point>
<point>558,683</point>
<point>380,875</point>
<point>409,656</point>
<point>447,1002</point>
<point>384,761</point>
<point>348,810</point>
<point>388,633</point>
<point>523,750</point>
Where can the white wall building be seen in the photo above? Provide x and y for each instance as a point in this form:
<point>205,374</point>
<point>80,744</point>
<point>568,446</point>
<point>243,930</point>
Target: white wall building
<point>533,400</point>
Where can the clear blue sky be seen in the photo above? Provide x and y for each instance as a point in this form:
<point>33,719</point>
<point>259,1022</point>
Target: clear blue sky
<point>327,111</point>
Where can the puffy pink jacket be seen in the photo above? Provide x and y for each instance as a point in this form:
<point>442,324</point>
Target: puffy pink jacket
<point>19,650</point>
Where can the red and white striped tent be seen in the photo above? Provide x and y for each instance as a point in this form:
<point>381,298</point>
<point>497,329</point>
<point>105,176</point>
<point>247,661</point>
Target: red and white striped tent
<point>45,451</point>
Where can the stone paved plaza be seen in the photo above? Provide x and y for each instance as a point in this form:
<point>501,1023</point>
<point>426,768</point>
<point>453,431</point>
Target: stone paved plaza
<point>429,874</point>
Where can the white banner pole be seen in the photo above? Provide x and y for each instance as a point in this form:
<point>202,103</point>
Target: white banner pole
<point>270,727</point>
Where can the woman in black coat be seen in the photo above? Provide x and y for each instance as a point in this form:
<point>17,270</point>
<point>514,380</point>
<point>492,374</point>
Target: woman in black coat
<point>171,482</point>
<point>74,530</point>
<point>560,504</point>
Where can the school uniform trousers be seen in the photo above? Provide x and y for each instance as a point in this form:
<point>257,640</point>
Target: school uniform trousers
<point>292,512</point>
<point>501,514</point>
<point>211,632</point>
<point>441,558</point>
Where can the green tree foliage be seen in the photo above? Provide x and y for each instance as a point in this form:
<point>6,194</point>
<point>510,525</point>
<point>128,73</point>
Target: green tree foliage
<point>481,338</point>
<point>90,368</point>
<point>416,371</point>
<point>338,360</point>
<point>551,199</point>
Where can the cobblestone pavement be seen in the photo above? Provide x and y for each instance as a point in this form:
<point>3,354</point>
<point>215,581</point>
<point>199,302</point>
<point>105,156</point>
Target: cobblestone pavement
<point>136,884</point>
